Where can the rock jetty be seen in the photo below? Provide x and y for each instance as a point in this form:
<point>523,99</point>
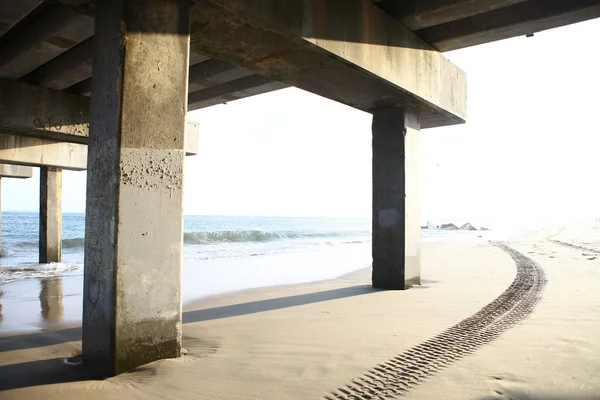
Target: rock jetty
<point>468,227</point>
<point>449,227</point>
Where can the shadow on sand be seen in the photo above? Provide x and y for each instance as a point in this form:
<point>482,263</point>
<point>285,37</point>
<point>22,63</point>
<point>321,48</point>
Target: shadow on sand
<point>57,370</point>
<point>42,372</point>
<point>274,304</point>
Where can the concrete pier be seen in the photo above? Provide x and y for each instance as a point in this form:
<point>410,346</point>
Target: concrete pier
<point>134,215</point>
<point>396,203</point>
<point>15,171</point>
<point>50,214</point>
<point>0,216</point>
<point>39,152</point>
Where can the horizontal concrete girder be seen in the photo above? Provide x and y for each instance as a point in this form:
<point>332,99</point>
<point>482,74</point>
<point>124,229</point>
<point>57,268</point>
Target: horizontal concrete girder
<point>346,50</point>
<point>190,141</point>
<point>419,14</point>
<point>14,11</point>
<point>34,111</point>
<point>37,152</point>
<point>516,20</point>
<point>23,151</point>
<point>350,51</point>
<point>27,46</point>
<point>15,171</point>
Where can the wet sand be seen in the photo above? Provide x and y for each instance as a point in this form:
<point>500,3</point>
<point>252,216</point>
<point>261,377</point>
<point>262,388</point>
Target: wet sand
<point>331,337</point>
<point>39,304</point>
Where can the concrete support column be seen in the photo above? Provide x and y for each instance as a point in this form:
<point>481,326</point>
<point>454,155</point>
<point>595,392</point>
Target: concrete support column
<point>134,214</point>
<point>50,214</point>
<point>396,198</point>
<point>0,216</point>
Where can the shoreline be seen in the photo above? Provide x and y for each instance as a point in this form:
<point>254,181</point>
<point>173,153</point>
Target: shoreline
<point>22,302</point>
<point>41,304</point>
<point>253,334</point>
<point>310,340</point>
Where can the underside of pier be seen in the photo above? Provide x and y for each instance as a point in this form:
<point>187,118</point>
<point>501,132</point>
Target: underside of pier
<point>106,86</point>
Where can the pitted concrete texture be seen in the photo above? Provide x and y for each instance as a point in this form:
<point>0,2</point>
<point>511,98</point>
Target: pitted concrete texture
<point>134,215</point>
<point>152,169</point>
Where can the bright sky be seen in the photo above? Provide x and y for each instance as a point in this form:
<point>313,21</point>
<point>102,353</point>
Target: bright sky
<point>527,155</point>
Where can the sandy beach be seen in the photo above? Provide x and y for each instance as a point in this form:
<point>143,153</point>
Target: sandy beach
<point>490,321</point>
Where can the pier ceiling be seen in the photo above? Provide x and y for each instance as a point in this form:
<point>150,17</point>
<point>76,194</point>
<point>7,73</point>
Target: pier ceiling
<point>366,54</point>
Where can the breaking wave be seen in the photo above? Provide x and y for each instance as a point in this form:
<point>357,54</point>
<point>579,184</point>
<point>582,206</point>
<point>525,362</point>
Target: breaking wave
<point>26,271</point>
<point>212,237</point>
<point>258,236</point>
<point>66,243</point>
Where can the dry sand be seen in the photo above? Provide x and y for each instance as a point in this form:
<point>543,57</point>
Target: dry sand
<point>307,341</point>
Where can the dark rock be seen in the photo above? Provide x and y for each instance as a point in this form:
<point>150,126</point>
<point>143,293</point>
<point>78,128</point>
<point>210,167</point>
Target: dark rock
<point>468,227</point>
<point>429,226</point>
<point>449,227</point>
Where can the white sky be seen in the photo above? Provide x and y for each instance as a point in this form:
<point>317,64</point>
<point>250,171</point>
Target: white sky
<point>528,153</point>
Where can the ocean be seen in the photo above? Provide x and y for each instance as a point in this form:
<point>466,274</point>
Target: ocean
<point>206,239</point>
<point>221,254</point>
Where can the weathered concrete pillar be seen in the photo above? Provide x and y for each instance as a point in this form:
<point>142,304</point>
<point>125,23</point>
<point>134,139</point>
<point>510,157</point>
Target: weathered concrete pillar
<point>50,214</point>
<point>134,215</point>
<point>0,216</point>
<point>396,198</point>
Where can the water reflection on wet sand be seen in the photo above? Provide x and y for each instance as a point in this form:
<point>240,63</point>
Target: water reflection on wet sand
<point>40,304</point>
<point>51,300</point>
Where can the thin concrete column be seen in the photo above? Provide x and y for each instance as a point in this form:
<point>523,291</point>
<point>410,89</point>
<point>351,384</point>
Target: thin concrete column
<point>396,198</point>
<point>134,214</point>
<point>50,214</point>
<point>0,216</point>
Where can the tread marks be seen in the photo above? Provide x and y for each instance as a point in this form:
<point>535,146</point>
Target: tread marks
<point>395,377</point>
<point>573,246</point>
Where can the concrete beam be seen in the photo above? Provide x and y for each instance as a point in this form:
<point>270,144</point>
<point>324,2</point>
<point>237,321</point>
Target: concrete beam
<point>212,72</point>
<point>192,133</point>
<point>36,111</point>
<point>50,215</point>
<point>42,36</point>
<point>25,150</point>
<point>37,152</point>
<point>15,171</point>
<point>419,14</point>
<point>73,68</point>
<point>68,69</point>
<point>346,50</point>
<point>518,20</point>
<point>134,203</point>
<point>14,11</point>
<point>232,90</point>
<point>83,88</point>
<point>200,77</point>
<point>396,199</point>
<point>51,114</point>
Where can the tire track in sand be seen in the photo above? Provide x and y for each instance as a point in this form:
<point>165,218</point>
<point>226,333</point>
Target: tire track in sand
<point>574,246</point>
<point>397,376</point>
